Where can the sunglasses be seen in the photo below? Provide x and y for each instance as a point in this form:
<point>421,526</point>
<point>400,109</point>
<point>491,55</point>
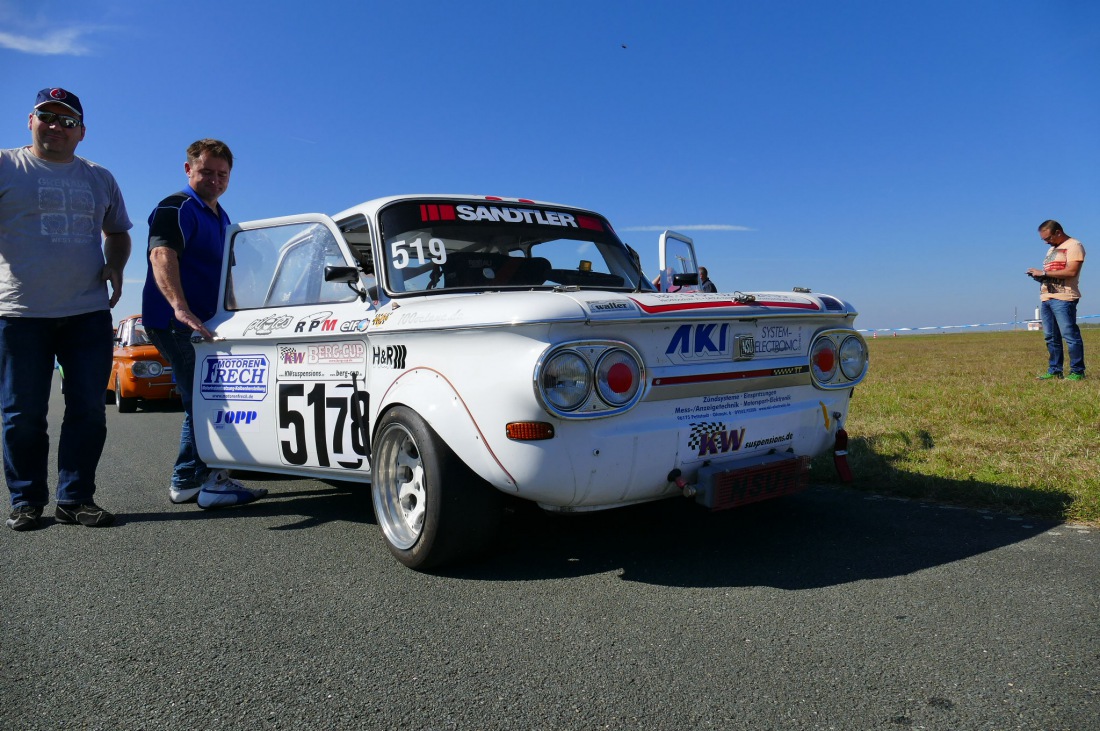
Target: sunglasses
<point>63,119</point>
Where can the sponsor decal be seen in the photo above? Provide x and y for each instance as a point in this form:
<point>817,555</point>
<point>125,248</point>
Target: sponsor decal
<point>380,318</point>
<point>732,405</point>
<point>336,353</point>
<point>713,438</point>
<point>427,318</point>
<point>317,322</point>
<point>336,361</point>
<point>507,214</point>
<point>778,339</point>
<point>269,324</point>
<point>500,214</point>
<point>234,377</point>
<point>355,326</point>
<point>705,342</point>
<point>236,420</point>
<point>710,438</point>
<point>768,441</point>
<point>612,306</point>
<point>389,356</point>
<point>288,354</point>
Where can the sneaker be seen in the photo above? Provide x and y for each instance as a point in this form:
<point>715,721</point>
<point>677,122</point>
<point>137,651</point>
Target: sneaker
<point>185,495</point>
<point>1048,376</point>
<point>88,514</point>
<point>25,517</point>
<point>1075,377</point>
<point>222,491</point>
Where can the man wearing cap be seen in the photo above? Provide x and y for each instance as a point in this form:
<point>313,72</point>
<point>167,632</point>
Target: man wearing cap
<point>64,234</point>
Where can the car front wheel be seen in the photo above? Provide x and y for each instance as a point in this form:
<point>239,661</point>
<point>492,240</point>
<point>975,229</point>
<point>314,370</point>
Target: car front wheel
<point>125,405</point>
<point>431,508</point>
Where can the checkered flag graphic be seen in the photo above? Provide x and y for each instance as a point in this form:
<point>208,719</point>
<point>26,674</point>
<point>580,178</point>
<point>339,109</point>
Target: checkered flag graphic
<point>701,428</point>
<point>286,350</point>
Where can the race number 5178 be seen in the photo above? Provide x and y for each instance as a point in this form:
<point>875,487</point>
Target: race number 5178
<point>324,426</point>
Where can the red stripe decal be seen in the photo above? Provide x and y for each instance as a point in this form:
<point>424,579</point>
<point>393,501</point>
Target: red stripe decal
<point>589,223</point>
<point>682,306</point>
<point>711,377</point>
<point>446,213</point>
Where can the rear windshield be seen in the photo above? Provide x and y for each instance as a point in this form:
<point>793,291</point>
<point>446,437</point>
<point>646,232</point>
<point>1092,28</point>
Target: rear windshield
<point>449,245</point>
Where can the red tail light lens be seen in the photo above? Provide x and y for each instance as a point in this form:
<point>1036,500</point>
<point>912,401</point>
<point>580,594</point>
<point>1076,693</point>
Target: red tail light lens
<point>617,377</point>
<point>823,360</point>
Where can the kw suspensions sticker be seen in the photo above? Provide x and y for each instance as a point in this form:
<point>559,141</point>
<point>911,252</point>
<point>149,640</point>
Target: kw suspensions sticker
<point>323,404</point>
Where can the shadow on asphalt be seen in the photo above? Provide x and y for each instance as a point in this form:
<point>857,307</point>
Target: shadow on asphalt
<point>823,537</point>
<point>826,536</point>
<point>158,406</point>
<point>319,502</point>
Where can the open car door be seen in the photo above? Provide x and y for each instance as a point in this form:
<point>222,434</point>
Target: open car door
<point>679,269</point>
<point>285,386</point>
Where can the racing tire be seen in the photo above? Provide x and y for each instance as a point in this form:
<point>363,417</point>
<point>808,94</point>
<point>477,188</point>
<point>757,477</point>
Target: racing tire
<point>124,405</point>
<point>431,508</point>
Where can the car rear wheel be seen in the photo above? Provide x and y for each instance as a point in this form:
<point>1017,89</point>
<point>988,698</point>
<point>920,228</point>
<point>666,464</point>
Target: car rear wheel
<point>125,405</point>
<point>431,508</point>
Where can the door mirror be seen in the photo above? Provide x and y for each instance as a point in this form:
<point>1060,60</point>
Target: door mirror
<point>334,273</point>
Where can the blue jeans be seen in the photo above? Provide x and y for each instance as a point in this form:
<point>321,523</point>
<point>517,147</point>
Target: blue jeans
<point>1060,323</point>
<point>83,346</point>
<point>175,345</point>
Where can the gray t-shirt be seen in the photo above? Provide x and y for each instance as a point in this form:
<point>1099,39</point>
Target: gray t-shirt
<point>52,217</point>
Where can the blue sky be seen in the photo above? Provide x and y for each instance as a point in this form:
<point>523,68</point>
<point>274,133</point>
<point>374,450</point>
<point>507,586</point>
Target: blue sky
<point>898,154</point>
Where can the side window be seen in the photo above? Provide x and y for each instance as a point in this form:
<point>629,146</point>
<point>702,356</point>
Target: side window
<point>283,266</point>
<point>138,336</point>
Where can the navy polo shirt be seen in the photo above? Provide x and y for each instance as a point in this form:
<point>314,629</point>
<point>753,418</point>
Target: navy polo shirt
<point>185,224</point>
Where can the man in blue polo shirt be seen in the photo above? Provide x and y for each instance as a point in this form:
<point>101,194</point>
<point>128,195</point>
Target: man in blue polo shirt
<point>186,241</point>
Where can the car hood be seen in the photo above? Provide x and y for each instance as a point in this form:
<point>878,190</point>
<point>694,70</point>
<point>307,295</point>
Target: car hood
<point>139,352</point>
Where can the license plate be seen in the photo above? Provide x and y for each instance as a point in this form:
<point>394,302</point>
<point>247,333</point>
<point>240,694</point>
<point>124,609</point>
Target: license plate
<point>731,488</point>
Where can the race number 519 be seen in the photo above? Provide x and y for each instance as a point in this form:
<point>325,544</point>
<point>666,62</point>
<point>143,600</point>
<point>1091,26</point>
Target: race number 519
<point>324,426</point>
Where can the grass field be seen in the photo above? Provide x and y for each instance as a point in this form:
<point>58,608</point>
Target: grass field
<point>961,419</point>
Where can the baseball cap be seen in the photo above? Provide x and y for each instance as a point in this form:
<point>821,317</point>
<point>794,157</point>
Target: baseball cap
<point>58,95</point>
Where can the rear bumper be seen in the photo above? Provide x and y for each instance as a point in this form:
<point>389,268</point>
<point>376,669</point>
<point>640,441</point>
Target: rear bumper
<point>638,456</point>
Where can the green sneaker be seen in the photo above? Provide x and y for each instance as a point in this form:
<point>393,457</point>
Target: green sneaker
<point>1075,377</point>
<point>1048,376</point>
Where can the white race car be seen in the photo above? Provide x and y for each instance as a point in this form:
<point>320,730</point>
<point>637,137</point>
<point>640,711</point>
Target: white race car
<point>448,349</point>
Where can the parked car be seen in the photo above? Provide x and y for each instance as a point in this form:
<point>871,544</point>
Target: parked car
<point>451,350</point>
<point>139,372</point>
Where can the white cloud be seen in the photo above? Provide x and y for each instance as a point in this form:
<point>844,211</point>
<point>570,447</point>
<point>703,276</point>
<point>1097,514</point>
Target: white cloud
<point>691,227</point>
<point>55,43</point>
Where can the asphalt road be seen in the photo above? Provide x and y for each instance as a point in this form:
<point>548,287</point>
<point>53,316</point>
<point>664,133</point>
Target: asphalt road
<point>827,610</point>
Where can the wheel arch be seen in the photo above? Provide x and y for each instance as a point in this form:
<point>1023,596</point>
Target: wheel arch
<point>438,402</point>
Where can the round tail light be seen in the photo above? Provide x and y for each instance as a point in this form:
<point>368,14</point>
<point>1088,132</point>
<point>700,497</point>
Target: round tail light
<point>618,377</point>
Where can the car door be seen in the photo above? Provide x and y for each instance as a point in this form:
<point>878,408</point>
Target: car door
<point>679,269</point>
<point>284,387</point>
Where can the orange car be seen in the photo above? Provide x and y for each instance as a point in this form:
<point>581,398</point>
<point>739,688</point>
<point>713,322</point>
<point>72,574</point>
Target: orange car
<point>139,371</point>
